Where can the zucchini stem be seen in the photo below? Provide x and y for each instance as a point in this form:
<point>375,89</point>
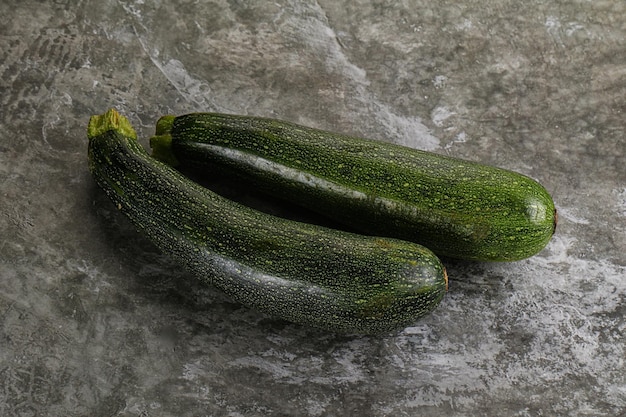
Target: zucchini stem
<point>162,149</point>
<point>111,120</point>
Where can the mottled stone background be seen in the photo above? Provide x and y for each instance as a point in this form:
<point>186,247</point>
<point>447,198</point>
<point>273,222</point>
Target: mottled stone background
<point>95,322</point>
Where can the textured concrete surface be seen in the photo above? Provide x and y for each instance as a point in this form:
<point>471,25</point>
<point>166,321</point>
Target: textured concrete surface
<point>95,322</point>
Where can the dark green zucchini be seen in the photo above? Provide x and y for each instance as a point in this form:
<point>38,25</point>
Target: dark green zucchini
<point>300,272</point>
<point>454,207</point>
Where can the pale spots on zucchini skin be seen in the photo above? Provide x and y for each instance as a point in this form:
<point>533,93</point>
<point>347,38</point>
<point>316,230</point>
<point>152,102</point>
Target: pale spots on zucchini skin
<point>456,208</point>
<point>299,272</point>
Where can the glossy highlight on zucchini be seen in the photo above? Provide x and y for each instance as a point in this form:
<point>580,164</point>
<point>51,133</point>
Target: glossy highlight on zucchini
<point>456,208</point>
<point>303,273</point>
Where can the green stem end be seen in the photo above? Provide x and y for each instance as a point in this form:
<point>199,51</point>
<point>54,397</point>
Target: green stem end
<point>111,120</point>
<point>164,124</point>
<point>162,149</point>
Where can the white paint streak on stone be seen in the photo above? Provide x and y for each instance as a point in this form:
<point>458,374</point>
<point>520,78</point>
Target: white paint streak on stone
<point>571,216</point>
<point>440,114</point>
<point>403,130</point>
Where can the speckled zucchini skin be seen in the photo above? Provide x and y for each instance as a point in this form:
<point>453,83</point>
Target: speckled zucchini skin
<point>300,272</point>
<point>454,207</point>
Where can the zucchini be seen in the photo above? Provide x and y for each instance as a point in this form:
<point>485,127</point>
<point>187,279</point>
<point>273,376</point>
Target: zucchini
<point>456,208</point>
<point>303,273</point>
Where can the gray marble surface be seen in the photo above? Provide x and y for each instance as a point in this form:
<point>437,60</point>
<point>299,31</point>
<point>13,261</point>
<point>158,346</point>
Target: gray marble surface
<point>95,322</point>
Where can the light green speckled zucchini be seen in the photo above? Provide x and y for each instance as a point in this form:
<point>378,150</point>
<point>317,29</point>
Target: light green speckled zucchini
<point>300,272</point>
<point>454,207</point>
